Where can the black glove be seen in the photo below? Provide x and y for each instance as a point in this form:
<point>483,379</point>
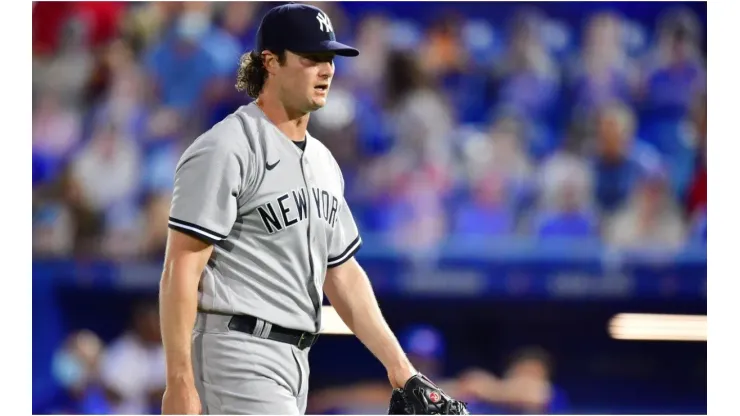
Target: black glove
<point>421,397</point>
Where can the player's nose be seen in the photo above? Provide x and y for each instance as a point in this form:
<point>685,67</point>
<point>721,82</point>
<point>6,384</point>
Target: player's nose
<point>326,70</point>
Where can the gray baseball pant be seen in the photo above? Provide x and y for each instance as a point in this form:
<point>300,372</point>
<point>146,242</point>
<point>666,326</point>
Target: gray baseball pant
<point>239,373</point>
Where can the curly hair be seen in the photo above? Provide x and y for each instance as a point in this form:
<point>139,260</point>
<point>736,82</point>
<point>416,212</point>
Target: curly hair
<point>252,74</point>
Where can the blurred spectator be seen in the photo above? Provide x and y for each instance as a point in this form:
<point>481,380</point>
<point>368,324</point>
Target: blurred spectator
<point>565,201</point>
<point>231,37</point>
<point>675,76</point>
<point>527,79</point>
<point>64,222</point>
<point>604,72</point>
<point>68,70</point>
<point>133,367</point>
<point>146,22</point>
<point>422,122</point>
<point>57,130</point>
<point>444,57</point>
<point>651,219</point>
<point>180,66</point>
<point>226,42</point>
<point>487,212</point>
<point>414,217</point>
<point>697,191</point>
<point>363,78</point>
<point>508,155</point>
<point>75,368</point>
<point>107,172</point>
<point>368,69</point>
<point>500,174</point>
<point>676,69</point>
<point>122,101</point>
<point>525,388</point>
<point>619,159</point>
<point>107,169</point>
<point>443,52</point>
<point>425,347</point>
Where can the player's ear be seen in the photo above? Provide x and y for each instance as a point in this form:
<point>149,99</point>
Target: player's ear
<point>270,61</point>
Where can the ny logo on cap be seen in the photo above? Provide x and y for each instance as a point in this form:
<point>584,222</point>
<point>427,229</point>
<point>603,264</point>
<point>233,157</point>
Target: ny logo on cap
<point>324,22</point>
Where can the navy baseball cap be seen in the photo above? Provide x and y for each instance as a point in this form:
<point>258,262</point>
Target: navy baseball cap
<point>299,28</point>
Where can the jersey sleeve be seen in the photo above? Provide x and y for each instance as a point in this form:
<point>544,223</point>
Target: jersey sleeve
<point>208,182</point>
<point>346,240</point>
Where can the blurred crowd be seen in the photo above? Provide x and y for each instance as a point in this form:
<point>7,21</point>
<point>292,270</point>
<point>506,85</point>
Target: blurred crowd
<point>127,376</point>
<point>524,386</point>
<point>450,128</point>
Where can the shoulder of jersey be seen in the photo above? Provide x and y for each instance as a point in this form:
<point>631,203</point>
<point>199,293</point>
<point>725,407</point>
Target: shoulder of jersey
<point>233,130</point>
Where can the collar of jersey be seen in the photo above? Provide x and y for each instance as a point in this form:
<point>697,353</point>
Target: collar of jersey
<point>262,114</point>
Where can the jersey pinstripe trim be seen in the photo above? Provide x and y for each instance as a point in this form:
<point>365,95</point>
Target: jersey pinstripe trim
<point>346,254</point>
<point>195,228</point>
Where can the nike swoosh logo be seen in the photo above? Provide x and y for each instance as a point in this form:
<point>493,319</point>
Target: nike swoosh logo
<point>271,167</point>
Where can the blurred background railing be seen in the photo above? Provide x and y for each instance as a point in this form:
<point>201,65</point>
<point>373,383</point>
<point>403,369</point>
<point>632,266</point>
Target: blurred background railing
<point>521,174</point>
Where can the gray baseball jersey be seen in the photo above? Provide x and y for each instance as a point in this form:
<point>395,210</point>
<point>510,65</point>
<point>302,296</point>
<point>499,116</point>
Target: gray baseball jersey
<point>276,215</point>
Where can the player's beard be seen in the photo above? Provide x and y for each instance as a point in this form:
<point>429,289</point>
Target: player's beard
<point>298,105</point>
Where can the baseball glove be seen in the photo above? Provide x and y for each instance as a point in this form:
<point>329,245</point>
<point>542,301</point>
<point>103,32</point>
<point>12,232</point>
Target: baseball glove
<point>421,397</point>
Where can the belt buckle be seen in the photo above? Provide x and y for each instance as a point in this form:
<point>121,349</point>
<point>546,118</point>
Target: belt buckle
<point>307,344</point>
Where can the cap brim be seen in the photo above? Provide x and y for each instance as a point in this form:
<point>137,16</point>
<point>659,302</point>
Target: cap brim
<point>339,48</point>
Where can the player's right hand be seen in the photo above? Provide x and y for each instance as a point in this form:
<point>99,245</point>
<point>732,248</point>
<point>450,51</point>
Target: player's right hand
<point>181,399</point>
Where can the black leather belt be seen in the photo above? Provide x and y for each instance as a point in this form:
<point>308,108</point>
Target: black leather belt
<point>302,340</point>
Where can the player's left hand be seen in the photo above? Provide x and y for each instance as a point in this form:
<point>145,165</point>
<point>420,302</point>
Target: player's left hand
<point>419,396</point>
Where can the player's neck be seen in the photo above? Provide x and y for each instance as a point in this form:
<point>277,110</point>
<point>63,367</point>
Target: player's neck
<point>292,125</point>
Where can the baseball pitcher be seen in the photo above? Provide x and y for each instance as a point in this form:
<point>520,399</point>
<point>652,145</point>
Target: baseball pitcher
<point>259,230</point>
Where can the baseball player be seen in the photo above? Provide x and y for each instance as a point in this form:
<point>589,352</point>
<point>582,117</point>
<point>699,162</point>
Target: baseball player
<point>259,229</point>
